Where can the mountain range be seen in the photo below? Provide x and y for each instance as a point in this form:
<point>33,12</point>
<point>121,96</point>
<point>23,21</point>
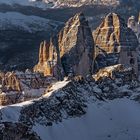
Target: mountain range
<point>44,4</point>
<point>82,81</point>
<point>24,24</point>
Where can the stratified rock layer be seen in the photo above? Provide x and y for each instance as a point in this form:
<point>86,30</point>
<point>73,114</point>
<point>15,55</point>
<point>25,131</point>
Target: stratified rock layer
<point>18,86</point>
<point>113,39</point>
<point>113,35</point>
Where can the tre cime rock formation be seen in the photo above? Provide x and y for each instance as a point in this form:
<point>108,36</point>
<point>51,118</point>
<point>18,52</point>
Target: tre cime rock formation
<point>75,51</point>
<point>71,51</point>
<point>116,41</point>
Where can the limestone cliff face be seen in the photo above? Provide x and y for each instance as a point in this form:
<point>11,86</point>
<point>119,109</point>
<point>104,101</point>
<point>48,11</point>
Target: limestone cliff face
<point>70,52</point>
<point>113,35</point>
<point>44,54</point>
<point>49,60</point>
<point>76,46</point>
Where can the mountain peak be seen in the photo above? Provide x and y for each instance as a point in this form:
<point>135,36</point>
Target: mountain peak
<point>113,19</point>
<point>73,48</point>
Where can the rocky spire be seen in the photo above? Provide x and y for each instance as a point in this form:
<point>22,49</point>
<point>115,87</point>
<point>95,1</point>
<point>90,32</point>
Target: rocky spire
<point>76,46</point>
<point>115,40</point>
<point>9,82</point>
<point>43,63</point>
<point>43,52</point>
<point>49,60</point>
<point>71,50</point>
<point>113,34</point>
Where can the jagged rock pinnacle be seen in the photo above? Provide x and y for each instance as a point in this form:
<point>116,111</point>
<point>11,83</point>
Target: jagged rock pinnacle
<point>72,50</point>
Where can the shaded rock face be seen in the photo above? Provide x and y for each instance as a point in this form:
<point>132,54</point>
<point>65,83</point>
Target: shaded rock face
<point>70,52</point>
<point>114,37</point>
<point>134,25</point>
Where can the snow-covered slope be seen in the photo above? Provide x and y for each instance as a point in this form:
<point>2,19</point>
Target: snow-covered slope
<point>112,120</point>
<point>79,110</point>
<point>15,20</point>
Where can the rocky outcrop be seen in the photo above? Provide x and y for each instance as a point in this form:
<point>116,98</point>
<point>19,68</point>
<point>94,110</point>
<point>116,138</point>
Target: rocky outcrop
<point>16,131</point>
<point>76,46</point>
<point>114,72</point>
<point>19,86</point>
<point>72,50</point>
<point>113,35</point>
<point>49,60</point>
<point>134,25</point>
<point>113,38</point>
<point>9,82</point>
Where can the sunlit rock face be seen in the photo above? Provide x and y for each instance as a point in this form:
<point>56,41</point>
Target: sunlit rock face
<point>44,54</point>
<point>76,46</point>
<point>70,52</point>
<point>49,60</point>
<point>20,86</point>
<point>114,37</point>
<point>114,72</point>
<point>9,82</point>
<point>113,34</point>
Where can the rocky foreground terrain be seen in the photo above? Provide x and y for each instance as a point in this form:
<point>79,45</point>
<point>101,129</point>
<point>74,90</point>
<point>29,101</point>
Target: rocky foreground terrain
<point>77,109</point>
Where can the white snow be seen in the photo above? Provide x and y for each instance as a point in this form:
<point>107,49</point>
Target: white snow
<point>56,86</point>
<point>33,93</point>
<point>113,120</point>
<point>11,113</point>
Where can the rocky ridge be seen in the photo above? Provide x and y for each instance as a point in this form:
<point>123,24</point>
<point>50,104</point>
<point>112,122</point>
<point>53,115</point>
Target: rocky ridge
<point>71,100</point>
